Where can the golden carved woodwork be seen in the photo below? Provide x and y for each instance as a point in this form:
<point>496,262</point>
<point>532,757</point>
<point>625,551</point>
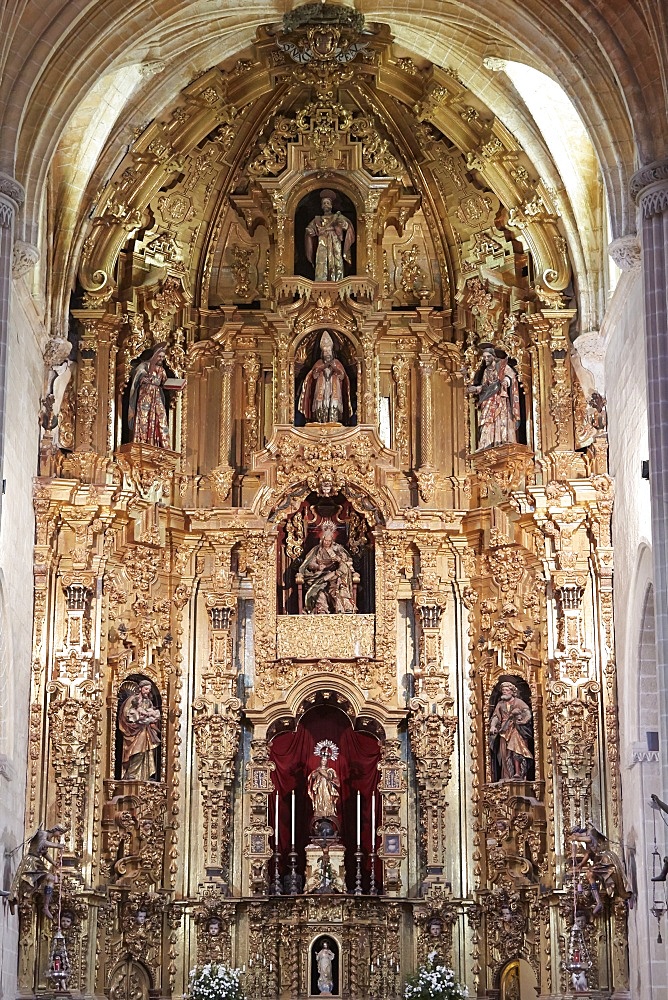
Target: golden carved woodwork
<point>162,564</point>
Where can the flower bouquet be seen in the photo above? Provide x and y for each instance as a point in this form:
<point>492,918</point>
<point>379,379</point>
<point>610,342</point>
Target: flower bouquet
<point>434,982</point>
<point>214,981</point>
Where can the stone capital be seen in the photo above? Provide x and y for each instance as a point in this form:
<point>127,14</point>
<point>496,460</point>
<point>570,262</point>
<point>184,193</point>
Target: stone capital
<point>649,188</point>
<point>11,188</point>
<point>626,252</point>
<point>24,258</point>
<point>590,348</point>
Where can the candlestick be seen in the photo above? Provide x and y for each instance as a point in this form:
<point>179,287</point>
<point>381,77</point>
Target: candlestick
<point>358,871</point>
<point>276,822</point>
<point>359,820</point>
<point>373,891</point>
<point>292,841</point>
<point>373,821</point>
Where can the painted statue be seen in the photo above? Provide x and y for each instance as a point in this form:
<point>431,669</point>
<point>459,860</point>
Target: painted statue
<point>325,962</point>
<point>327,572</point>
<point>323,782</point>
<point>510,733</point>
<point>36,873</point>
<point>328,238</point>
<point>139,723</point>
<point>147,410</point>
<point>601,866</point>
<point>325,394</point>
<point>498,400</point>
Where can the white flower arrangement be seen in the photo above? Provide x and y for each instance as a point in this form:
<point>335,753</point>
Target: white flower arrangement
<point>214,981</point>
<point>434,982</point>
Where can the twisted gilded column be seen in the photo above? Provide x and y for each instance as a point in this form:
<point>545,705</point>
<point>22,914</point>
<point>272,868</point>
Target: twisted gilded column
<point>11,199</point>
<point>222,476</point>
<point>649,187</point>
<point>425,474</point>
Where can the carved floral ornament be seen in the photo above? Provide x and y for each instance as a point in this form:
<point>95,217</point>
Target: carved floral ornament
<point>326,466</point>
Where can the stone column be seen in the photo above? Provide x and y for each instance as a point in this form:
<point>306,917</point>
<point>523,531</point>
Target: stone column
<point>649,187</point>
<point>11,198</point>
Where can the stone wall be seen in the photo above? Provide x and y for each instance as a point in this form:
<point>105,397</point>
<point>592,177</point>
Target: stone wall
<point>24,385</point>
<point>636,670</point>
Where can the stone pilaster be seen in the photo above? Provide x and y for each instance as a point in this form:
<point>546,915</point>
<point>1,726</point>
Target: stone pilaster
<point>649,187</point>
<point>11,198</point>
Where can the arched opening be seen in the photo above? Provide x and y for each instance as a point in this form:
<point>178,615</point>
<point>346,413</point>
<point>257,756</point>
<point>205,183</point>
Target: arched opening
<point>347,793</point>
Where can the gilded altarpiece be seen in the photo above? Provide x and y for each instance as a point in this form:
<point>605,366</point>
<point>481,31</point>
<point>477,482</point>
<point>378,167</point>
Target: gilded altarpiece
<point>334,559</point>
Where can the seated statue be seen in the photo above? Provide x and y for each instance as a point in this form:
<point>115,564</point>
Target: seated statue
<point>328,576</point>
<point>325,394</point>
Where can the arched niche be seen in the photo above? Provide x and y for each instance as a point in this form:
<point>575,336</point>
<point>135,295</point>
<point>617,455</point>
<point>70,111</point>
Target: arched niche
<point>356,767</point>
<point>316,947</point>
<point>308,208</point>
<point>300,533</point>
<point>139,730</point>
<point>308,352</point>
<point>518,981</point>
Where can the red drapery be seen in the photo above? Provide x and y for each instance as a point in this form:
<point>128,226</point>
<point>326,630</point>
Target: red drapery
<point>356,767</point>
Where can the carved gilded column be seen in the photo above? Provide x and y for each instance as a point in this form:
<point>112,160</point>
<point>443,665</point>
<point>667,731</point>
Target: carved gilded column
<point>432,724</point>
<point>257,833</point>
<point>401,374</point>
<point>282,381</point>
<point>649,187</point>
<point>252,368</point>
<point>96,390</point>
<point>425,474</point>
<point>223,475</point>
<point>393,833</point>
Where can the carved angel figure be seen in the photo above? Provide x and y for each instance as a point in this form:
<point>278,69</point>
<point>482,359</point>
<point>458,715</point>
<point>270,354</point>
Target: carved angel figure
<point>498,400</point>
<point>325,394</point>
<point>139,722</point>
<point>329,238</point>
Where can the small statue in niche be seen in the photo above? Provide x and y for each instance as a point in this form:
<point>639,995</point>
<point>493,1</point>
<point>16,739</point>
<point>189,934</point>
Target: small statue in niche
<point>323,782</point>
<point>497,398</point>
<point>328,239</point>
<point>139,723</point>
<point>147,407</point>
<point>328,575</point>
<point>36,871</point>
<point>325,394</point>
<point>325,963</point>
<point>511,734</point>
